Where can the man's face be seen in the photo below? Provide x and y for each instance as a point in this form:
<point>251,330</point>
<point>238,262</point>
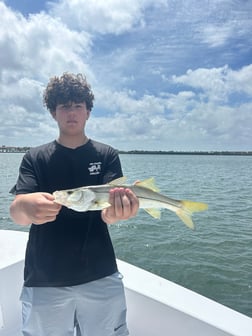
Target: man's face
<point>71,117</point>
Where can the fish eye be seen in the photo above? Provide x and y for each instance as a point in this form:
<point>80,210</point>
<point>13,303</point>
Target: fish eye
<point>69,192</point>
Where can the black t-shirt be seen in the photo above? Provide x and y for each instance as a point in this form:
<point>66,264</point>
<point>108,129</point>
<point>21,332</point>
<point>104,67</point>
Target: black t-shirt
<point>76,248</point>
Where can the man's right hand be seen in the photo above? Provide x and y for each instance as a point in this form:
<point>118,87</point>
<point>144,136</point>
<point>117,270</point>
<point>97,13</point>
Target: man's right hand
<point>36,208</point>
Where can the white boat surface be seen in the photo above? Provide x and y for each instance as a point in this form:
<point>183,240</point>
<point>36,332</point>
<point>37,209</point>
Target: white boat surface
<point>156,306</point>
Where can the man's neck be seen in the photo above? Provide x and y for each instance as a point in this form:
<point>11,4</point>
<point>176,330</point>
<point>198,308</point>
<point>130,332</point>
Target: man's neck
<point>72,142</point>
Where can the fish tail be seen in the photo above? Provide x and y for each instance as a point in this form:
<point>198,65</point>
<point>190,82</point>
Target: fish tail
<point>187,209</point>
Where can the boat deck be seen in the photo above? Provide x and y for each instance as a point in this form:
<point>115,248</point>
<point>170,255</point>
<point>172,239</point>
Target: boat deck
<point>156,307</point>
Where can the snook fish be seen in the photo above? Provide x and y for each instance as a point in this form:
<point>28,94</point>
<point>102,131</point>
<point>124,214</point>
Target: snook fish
<point>97,198</point>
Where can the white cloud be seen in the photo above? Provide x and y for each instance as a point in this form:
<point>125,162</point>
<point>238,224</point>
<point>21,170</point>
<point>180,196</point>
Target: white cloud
<point>218,83</point>
<point>241,80</point>
<point>103,17</point>
<point>99,16</point>
<point>216,36</point>
<point>224,21</point>
<point>40,45</point>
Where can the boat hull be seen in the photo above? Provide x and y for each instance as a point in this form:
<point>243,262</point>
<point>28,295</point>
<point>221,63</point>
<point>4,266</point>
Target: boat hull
<point>156,306</point>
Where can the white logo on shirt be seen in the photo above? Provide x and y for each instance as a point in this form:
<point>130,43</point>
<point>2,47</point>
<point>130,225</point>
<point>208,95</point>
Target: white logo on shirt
<point>94,168</point>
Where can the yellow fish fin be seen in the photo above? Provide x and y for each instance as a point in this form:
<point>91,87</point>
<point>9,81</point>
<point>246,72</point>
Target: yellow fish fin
<point>102,204</point>
<point>154,213</point>
<point>148,184</point>
<point>185,217</point>
<point>187,210</point>
<point>194,206</point>
<point>119,181</point>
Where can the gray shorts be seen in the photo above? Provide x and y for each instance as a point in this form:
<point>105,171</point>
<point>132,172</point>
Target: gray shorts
<point>96,308</point>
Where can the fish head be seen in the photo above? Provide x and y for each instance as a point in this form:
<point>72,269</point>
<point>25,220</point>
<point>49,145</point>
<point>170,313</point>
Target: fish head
<point>76,199</point>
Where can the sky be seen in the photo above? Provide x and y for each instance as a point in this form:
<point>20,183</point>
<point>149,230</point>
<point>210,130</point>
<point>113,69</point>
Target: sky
<point>166,74</point>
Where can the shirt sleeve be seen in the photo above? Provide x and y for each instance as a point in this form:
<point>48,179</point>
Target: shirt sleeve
<point>113,167</point>
<point>27,181</point>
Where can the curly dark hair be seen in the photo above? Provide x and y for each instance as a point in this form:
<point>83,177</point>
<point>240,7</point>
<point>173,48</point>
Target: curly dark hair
<point>68,88</point>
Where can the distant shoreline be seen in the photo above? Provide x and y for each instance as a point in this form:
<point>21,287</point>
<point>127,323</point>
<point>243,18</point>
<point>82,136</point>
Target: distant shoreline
<point>239,153</point>
<point>6,149</point>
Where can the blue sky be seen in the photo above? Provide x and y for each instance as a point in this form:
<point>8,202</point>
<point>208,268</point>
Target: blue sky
<point>166,74</point>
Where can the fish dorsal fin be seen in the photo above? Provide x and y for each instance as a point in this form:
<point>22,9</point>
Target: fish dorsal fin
<point>148,184</point>
<point>119,181</point>
<point>154,213</point>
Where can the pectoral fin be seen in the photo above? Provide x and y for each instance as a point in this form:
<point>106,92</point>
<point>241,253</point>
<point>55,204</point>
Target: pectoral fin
<point>104,205</point>
<point>99,205</point>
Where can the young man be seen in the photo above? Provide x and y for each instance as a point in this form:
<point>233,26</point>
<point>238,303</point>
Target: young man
<point>70,275</point>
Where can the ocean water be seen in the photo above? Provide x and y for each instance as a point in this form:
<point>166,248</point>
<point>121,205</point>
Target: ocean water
<point>215,259</point>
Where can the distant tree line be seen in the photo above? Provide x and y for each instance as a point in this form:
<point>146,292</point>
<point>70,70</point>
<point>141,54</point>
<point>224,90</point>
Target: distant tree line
<point>13,149</point>
<point>186,152</point>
